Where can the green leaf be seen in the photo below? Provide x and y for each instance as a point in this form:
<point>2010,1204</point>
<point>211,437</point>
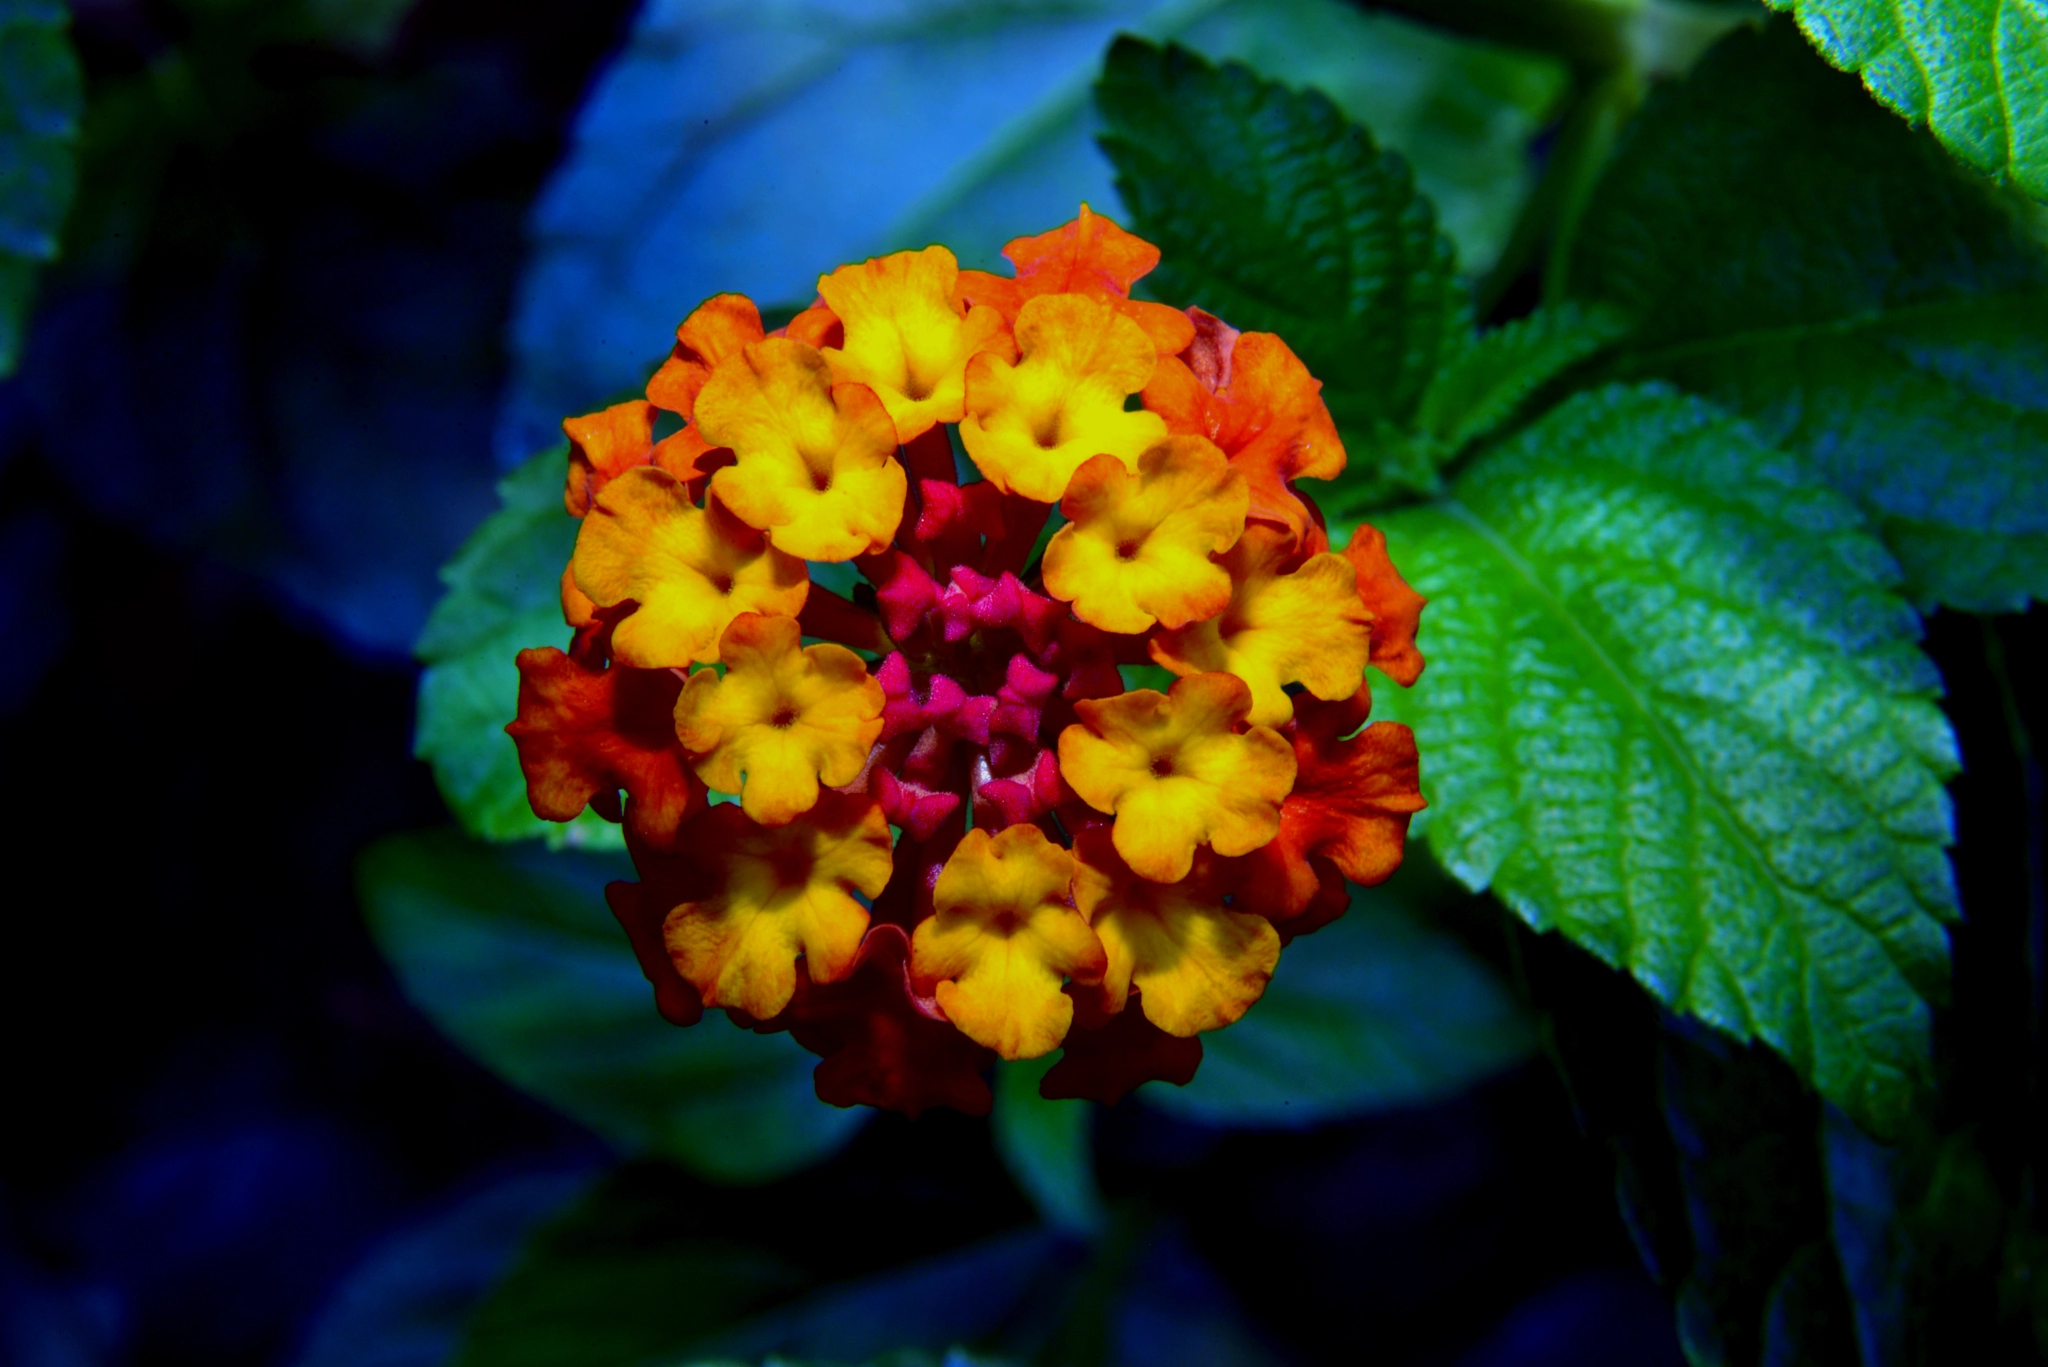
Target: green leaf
<point>41,97</point>
<point>1793,252</point>
<point>504,594</point>
<point>1277,214</point>
<point>1376,1011</point>
<point>1485,384</point>
<point>1675,710</point>
<point>1974,71</point>
<point>511,952</point>
<point>1048,1146</point>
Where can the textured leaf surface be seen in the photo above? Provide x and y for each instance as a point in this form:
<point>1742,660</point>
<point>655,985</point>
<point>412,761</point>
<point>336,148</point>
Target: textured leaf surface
<point>41,97</point>
<point>1675,710</point>
<point>1484,384</point>
<point>504,594</point>
<point>511,952</point>
<point>1376,1011</point>
<point>1974,71</point>
<point>1795,253</point>
<point>737,146</point>
<point>1278,214</point>
<point>1048,1147</point>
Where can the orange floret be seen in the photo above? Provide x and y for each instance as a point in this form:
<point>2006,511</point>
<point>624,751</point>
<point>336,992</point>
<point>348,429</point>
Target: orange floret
<point>906,337</point>
<point>1176,773</point>
<point>784,718</point>
<point>1090,255</point>
<point>1136,548</point>
<point>781,891</point>
<point>1285,624</point>
<point>1031,425</point>
<point>1395,608</point>
<point>1252,396</point>
<point>1003,939</point>
<point>815,462</point>
<point>719,328</point>
<point>1196,963</point>
<point>691,570</point>
<point>602,446</point>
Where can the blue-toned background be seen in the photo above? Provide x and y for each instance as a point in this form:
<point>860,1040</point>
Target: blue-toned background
<point>336,267</point>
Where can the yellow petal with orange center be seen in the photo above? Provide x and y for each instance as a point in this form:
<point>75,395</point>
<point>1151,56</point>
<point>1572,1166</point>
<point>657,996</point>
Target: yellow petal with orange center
<point>1175,772</point>
<point>816,468</point>
<point>1003,939</point>
<point>1136,549</point>
<point>1197,965</point>
<point>784,891</point>
<point>906,338</point>
<point>783,719</point>
<point>1030,426</point>
<point>690,569</point>
<point>1303,625</point>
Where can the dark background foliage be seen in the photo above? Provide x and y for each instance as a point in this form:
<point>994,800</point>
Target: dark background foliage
<point>255,409</point>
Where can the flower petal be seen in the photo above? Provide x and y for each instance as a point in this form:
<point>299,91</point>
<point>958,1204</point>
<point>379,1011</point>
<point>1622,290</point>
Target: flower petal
<point>691,570</point>
<point>782,719</point>
<point>1136,548</point>
<point>1003,939</point>
<point>602,446</point>
<point>1196,963</point>
<point>781,891</point>
<point>815,462</point>
<point>1396,609</point>
<point>718,328</point>
<point>1285,624</point>
<point>1029,426</point>
<point>1174,771</point>
<point>1107,1061</point>
<point>584,731</point>
<point>906,338</point>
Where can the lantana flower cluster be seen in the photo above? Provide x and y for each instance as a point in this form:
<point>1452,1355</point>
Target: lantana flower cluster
<point>950,832</point>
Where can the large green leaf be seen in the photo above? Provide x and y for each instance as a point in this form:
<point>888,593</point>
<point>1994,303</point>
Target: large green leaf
<point>1792,251</point>
<point>504,594</point>
<point>982,130</point>
<point>41,97</point>
<point>509,949</point>
<point>1278,214</point>
<point>1675,710</point>
<point>1377,1011</point>
<point>1974,71</point>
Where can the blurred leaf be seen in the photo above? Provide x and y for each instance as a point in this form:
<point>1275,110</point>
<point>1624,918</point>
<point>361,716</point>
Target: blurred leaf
<point>405,1306</point>
<point>42,95</point>
<point>1278,214</point>
<point>1048,1146</point>
<point>1376,1011</point>
<point>511,951</point>
<point>644,1269</point>
<point>1675,710</point>
<point>619,1278</point>
<point>744,147</point>
<point>504,594</point>
<point>1795,253</point>
<point>1974,71</point>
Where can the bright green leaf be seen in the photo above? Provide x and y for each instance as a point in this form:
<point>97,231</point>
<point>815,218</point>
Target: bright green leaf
<point>1798,255</point>
<point>1974,71</point>
<point>1048,1147</point>
<point>41,97</point>
<point>504,594</point>
<point>1277,214</point>
<point>1675,710</point>
<point>1376,1011</point>
<point>511,952</point>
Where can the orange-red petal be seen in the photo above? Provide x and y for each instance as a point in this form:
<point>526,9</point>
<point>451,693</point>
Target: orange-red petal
<point>1396,609</point>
